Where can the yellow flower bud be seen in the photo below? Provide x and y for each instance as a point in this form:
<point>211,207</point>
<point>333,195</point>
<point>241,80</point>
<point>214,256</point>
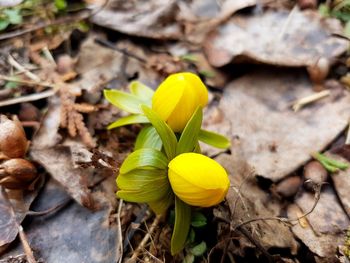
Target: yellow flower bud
<point>198,180</point>
<point>177,97</point>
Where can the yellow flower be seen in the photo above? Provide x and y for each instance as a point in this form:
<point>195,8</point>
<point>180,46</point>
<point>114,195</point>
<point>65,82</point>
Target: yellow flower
<point>198,180</point>
<point>177,97</point>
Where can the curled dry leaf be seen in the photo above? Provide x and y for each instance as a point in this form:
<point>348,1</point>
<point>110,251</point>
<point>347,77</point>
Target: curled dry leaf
<point>46,151</point>
<point>279,38</point>
<point>275,140</point>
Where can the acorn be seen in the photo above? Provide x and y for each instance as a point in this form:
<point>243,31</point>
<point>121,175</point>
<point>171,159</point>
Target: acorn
<point>13,141</point>
<point>319,71</point>
<point>17,173</point>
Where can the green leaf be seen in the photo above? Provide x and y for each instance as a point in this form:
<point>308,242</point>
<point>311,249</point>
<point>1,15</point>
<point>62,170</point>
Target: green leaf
<point>148,138</point>
<point>181,227</point>
<point>198,219</point>
<point>207,73</point>
<point>143,158</point>
<point>199,249</point>
<point>189,57</point>
<point>161,206</point>
<point>141,91</point>
<point>189,136</point>
<point>143,186</point>
<point>11,85</point>
<point>14,16</point>
<point>191,236</point>
<point>214,139</point>
<point>189,258</point>
<point>61,4</point>
<point>165,132</point>
<point>330,164</point>
<point>4,23</point>
<point>131,119</point>
<point>124,101</point>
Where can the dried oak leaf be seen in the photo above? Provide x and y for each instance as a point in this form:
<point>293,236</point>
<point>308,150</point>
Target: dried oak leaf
<point>275,140</point>
<point>278,38</point>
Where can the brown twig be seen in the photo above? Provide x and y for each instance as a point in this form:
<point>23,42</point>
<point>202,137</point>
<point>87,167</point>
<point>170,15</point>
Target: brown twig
<point>50,210</point>
<point>27,82</point>
<point>144,240</point>
<point>317,190</point>
<point>31,97</point>
<point>70,19</point>
<point>26,247</point>
<point>120,236</point>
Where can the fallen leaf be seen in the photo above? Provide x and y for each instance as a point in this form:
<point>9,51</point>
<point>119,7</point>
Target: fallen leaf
<point>58,159</point>
<point>326,224</point>
<point>8,223</point>
<point>54,236</point>
<point>275,140</point>
<point>279,38</point>
<point>14,206</point>
<point>247,201</point>
<point>152,19</point>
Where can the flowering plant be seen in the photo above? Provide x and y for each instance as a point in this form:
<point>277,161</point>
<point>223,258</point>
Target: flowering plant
<point>166,167</point>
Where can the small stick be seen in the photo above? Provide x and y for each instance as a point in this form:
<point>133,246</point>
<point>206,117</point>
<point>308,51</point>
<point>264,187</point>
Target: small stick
<point>26,247</point>
<point>144,240</point>
<point>31,97</point>
<point>19,67</point>
<point>309,99</point>
<point>27,82</point>
<point>50,210</point>
<point>120,236</point>
<point>347,141</point>
<point>286,24</point>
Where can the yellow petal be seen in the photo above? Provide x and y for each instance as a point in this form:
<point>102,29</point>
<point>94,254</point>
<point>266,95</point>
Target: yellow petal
<point>177,98</point>
<point>166,97</point>
<point>198,180</point>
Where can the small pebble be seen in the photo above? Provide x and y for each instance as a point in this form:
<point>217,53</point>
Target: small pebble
<point>316,173</point>
<point>289,186</point>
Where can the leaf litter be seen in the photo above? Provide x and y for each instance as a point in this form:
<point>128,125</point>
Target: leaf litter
<point>253,106</point>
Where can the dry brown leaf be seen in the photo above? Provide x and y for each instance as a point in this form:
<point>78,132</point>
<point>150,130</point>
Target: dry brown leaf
<point>278,38</point>
<point>14,206</point>
<point>152,19</point>
<point>58,159</point>
<point>73,234</point>
<point>324,233</point>
<point>247,201</point>
<point>275,140</point>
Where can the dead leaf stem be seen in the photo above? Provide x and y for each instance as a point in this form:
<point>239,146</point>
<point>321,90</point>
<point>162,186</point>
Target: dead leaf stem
<point>26,247</point>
